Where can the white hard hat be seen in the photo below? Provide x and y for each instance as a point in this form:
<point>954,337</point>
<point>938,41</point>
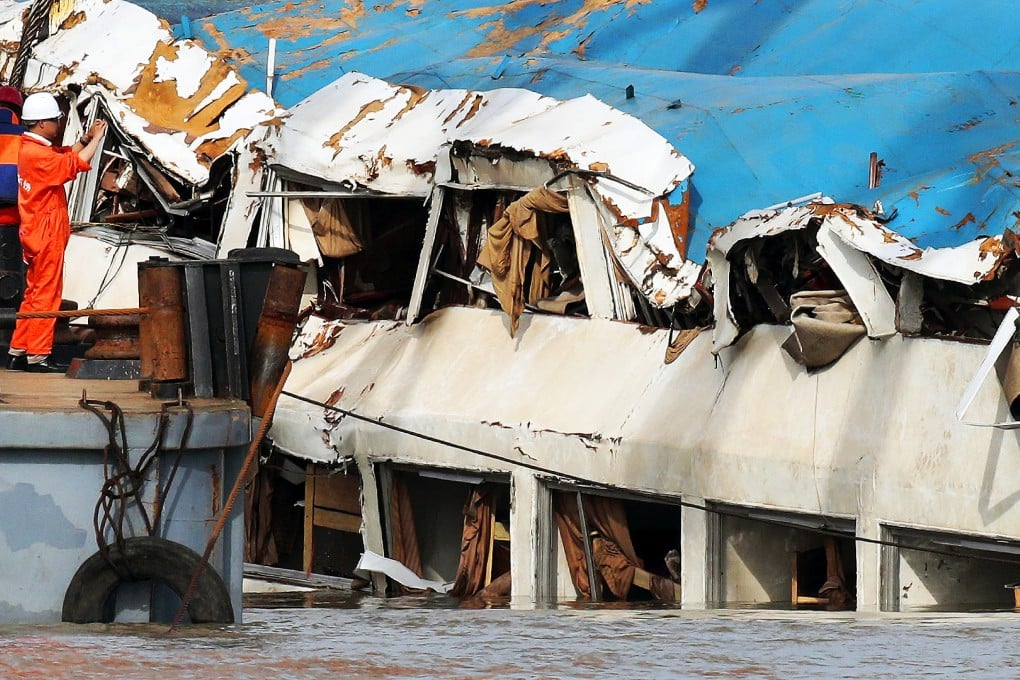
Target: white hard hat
<point>40,106</point>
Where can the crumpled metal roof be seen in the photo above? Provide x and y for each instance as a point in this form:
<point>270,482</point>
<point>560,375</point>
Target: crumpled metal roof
<point>765,98</point>
<point>182,104</point>
<point>365,133</point>
<point>969,263</point>
<point>385,137</point>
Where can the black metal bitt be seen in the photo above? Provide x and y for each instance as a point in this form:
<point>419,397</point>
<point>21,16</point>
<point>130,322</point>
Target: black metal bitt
<point>8,317</point>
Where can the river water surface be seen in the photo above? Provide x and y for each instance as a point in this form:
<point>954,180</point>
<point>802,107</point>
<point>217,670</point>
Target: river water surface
<point>346,635</point>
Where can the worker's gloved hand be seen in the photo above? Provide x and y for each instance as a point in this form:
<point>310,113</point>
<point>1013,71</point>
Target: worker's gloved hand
<point>98,129</point>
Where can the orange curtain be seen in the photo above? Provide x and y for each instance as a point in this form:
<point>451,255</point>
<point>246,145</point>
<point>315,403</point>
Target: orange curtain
<point>516,255</point>
<point>339,227</point>
<point>259,544</point>
<point>475,542</point>
<point>405,537</point>
<point>835,587</point>
<point>613,553</point>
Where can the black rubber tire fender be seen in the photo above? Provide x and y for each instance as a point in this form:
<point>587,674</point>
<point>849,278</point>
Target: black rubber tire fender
<point>145,558</point>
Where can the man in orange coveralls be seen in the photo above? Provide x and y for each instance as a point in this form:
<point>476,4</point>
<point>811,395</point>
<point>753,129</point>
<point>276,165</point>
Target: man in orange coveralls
<point>43,169</point>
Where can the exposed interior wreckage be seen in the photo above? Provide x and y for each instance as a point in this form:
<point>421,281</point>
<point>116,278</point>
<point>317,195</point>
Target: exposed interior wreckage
<point>606,302</point>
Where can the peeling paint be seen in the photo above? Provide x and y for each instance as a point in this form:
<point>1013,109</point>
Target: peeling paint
<point>499,38</point>
<point>967,219</point>
<point>216,483</point>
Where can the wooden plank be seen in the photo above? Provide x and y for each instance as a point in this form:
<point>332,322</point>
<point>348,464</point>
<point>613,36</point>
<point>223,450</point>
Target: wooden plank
<point>804,599</point>
<point>488,556</point>
<point>308,552</point>
<point>340,521</point>
<point>298,578</point>
<point>338,491</point>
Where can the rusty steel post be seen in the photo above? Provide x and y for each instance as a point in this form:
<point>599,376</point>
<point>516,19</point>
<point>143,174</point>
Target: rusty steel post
<point>144,329</point>
<point>163,338</point>
<point>275,330</point>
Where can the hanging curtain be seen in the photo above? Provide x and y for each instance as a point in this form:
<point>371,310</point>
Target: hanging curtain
<point>404,535</point>
<point>835,587</point>
<point>475,543</point>
<point>259,544</point>
<point>516,254</point>
<point>339,226</point>
<point>614,556</point>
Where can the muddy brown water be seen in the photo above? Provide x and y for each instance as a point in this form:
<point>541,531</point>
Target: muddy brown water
<point>340,635</point>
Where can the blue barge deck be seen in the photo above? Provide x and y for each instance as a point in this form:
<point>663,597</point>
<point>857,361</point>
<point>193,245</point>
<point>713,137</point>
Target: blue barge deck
<point>55,456</point>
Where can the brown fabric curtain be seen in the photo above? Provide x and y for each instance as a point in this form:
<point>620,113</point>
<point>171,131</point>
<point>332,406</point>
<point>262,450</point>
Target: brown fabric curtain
<point>339,226</point>
<point>404,535</point>
<point>614,554</point>
<point>835,587</point>
<point>475,542</point>
<point>516,255</point>
<point>259,544</point>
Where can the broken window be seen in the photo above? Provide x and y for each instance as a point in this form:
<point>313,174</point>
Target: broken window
<point>930,307</point>
<point>451,527</point>
<point>304,517</point>
<point>948,572</point>
<point>137,198</point>
<point>369,249</point>
<point>629,549</point>
<point>510,249</point>
<point>776,558</point>
<point>766,272</point>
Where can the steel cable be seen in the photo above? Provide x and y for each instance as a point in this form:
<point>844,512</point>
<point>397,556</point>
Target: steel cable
<point>253,450</point>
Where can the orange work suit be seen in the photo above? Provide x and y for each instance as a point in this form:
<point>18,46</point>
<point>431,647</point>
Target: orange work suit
<point>43,169</point>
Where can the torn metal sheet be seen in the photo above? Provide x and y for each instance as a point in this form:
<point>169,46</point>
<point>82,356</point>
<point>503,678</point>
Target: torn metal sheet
<point>1003,337</point>
<point>969,263</point>
<point>363,133</point>
<point>372,562</point>
<point>180,103</point>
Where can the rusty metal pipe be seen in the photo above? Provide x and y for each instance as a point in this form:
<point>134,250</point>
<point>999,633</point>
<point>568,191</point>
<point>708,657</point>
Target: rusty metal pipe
<point>275,330</point>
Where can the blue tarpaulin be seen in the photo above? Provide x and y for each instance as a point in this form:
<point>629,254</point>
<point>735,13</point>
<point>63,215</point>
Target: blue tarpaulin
<point>770,100</point>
